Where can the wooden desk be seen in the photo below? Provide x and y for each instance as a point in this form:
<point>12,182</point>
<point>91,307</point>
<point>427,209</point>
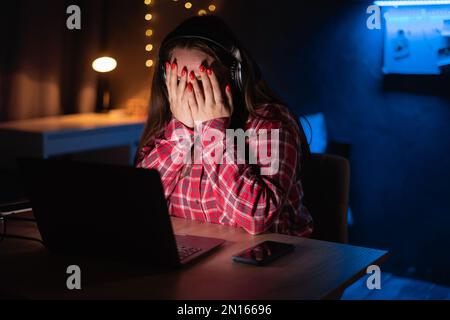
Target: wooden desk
<point>315,270</point>
<point>51,136</point>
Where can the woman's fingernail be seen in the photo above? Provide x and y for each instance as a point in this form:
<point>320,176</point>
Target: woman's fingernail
<point>202,68</point>
<point>167,65</point>
<point>210,72</point>
<point>174,65</point>
<point>192,75</point>
<point>228,88</point>
<point>183,72</point>
<point>189,87</point>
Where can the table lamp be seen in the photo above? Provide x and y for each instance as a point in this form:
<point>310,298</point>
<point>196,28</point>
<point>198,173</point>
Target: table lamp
<point>103,65</point>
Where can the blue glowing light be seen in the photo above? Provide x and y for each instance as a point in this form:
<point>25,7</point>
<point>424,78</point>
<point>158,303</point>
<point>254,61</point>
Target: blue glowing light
<point>315,129</point>
<point>411,3</point>
<point>416,40</point>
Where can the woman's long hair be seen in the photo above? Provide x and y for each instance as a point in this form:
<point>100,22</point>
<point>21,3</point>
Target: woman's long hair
<point>254,94</point>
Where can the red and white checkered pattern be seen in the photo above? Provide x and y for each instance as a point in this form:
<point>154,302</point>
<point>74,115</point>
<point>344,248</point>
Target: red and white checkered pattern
<point>230,193</point>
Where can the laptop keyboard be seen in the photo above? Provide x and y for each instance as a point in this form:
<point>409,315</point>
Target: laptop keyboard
<point>184,252</point>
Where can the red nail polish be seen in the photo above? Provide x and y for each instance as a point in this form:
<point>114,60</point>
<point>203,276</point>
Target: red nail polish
<point>192,75</point>
<point>202,68</point>
<point>228,88</point>
<point>174,65</point>
<point>210,71</point>
<point>183,72</point>
<point>167,65</point>
<point>189,87</point>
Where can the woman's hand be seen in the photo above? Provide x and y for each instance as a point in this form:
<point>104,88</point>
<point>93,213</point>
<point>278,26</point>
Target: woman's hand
<point>209,103</point>
<point>178,98</point>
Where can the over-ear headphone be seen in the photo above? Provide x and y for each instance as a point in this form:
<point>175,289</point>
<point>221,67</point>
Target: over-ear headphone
<point>191,30</point>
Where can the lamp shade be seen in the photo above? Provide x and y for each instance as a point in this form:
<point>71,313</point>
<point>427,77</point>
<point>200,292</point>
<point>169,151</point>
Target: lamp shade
<point>104,64</point>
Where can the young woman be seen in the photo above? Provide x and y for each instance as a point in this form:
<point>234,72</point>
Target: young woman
<point>207,82</point>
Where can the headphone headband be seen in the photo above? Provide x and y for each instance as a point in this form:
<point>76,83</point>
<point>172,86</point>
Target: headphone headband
<point>233,51</point>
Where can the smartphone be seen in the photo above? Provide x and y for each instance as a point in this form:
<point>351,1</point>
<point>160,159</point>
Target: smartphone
<point>263,253</point>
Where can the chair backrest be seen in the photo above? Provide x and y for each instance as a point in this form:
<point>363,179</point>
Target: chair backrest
<point>326,191</point>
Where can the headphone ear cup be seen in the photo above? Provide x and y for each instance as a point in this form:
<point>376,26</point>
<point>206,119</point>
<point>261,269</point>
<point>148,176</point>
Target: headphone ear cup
<point>236,75</point>
<point>239,76</point>
<point>236,68</point>
<point>163,72</point>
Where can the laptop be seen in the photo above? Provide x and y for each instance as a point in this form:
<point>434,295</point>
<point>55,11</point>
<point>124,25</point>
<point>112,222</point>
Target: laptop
<point>106,211</point>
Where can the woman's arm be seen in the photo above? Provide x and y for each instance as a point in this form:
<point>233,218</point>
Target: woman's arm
<point>245,196</point>
<point>168,154</point>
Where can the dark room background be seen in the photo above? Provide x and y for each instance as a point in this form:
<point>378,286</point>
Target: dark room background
<point>319,56</point>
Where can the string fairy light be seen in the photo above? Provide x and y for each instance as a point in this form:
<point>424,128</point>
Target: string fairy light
<point>149,18</point>
<point>148,33</point>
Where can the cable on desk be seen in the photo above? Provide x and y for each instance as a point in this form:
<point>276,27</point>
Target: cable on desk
<point>3,222</point>
<point>19,219</point>
<point>13,236</point>
<point>4,235</point>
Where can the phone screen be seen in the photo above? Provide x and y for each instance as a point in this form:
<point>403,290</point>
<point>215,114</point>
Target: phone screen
<point>263,253</point>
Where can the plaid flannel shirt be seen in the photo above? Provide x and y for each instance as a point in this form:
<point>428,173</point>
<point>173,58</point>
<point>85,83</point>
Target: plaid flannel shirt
<point>232,193</point>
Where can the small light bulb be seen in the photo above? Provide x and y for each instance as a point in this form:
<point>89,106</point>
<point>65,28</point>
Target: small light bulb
<point>104,64</point>
<point>212,8</point>
<point>188,5</point>
<point>149,47</point>
<point>147,2</point>
<point>149,32</point>
<point>148,17</point>
<point>149,63</point>
<point>202,12</point>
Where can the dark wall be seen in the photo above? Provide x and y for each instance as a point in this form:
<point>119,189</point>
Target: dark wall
<point>322,58</point>
<point>45,69</point>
